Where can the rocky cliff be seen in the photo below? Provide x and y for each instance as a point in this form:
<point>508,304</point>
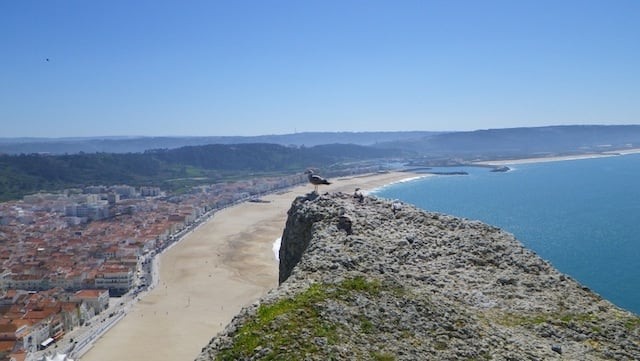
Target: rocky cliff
<point>373,280</point>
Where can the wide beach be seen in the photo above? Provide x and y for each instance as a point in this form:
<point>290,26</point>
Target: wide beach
<point>224,264</point>
<point>559,158</point>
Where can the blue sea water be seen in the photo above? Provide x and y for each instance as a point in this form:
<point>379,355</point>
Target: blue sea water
<point>581,215</point>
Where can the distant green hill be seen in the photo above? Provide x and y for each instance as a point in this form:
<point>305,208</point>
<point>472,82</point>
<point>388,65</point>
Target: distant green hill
<point>24,174</point>
<point>178,168</point>
<point>136,144</point>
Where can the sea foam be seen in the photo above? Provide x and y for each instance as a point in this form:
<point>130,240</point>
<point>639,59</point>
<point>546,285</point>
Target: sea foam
<point>276,248</point>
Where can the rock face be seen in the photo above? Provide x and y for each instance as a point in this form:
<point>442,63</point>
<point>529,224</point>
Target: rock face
<point>372,280</point>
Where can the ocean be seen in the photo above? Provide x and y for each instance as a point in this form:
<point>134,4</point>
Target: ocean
<point>583,215</point>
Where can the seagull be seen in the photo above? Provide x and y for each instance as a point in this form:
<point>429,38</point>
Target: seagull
<point>315,179</point>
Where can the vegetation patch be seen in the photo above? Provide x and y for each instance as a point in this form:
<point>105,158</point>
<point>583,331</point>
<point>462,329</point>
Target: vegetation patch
<point>632,323</point>
<point>365,325</point>
<point>294,328</point>
<point>361,284</point>
<point>383,356</point>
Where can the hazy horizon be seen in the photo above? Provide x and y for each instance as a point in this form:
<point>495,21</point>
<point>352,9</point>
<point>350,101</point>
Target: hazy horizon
<point>133,136</point>
<point>166,68</point>
<point>224,135</point>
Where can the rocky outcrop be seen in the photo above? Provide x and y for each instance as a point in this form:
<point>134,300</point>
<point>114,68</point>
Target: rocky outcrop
<point>373,280</point>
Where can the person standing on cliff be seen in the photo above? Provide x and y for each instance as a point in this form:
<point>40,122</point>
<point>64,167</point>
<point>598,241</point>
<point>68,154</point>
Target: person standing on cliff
<point>396,206</point>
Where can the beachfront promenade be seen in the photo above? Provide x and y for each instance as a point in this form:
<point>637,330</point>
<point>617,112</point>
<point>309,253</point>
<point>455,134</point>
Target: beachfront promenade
<point>81,339</point>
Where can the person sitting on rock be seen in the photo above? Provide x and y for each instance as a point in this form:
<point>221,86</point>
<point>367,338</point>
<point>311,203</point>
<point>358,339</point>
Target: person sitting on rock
<point>358,195</point>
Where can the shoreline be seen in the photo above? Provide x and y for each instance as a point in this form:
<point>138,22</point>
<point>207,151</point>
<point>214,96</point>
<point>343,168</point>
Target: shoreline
<point>222,265</point>
<point>612,153</point>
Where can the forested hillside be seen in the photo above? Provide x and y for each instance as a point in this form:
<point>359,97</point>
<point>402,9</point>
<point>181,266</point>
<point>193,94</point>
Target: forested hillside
<point>169,169</point>
<point>178,168</point>
<point>136,144</point>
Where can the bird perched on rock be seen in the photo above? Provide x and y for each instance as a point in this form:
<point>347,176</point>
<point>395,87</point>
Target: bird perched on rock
<point>315,179</point>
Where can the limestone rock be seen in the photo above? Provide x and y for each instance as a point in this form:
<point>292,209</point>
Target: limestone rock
<point>373,280</point>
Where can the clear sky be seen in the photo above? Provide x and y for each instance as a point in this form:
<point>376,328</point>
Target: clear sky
<point>241,67</point>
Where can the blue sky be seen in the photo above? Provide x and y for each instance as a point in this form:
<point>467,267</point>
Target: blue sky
<point>274,67</point>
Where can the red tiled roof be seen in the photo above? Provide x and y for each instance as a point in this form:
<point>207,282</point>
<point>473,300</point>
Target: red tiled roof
<point>7,346</point>
<point>89,293</point>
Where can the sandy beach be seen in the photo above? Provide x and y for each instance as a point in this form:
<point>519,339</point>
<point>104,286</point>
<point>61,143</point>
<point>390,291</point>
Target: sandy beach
<point>205,279</point>
<point>560,158</point>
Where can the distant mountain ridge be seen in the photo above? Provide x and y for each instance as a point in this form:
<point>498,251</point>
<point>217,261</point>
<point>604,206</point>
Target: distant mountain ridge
<point>484,143</point>
<point>523,142</point>
<point>137,144</point>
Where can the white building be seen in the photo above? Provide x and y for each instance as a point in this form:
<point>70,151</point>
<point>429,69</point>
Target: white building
<point>96,299</point>
<point>117,279</point>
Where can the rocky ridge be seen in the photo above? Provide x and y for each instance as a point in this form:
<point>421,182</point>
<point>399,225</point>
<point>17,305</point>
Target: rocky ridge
<point>368,279</point>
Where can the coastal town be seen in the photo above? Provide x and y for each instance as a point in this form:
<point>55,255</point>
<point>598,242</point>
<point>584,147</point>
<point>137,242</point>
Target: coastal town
<point>72,262</point>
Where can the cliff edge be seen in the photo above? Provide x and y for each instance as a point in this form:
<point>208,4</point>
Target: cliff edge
<point>367,279</point>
